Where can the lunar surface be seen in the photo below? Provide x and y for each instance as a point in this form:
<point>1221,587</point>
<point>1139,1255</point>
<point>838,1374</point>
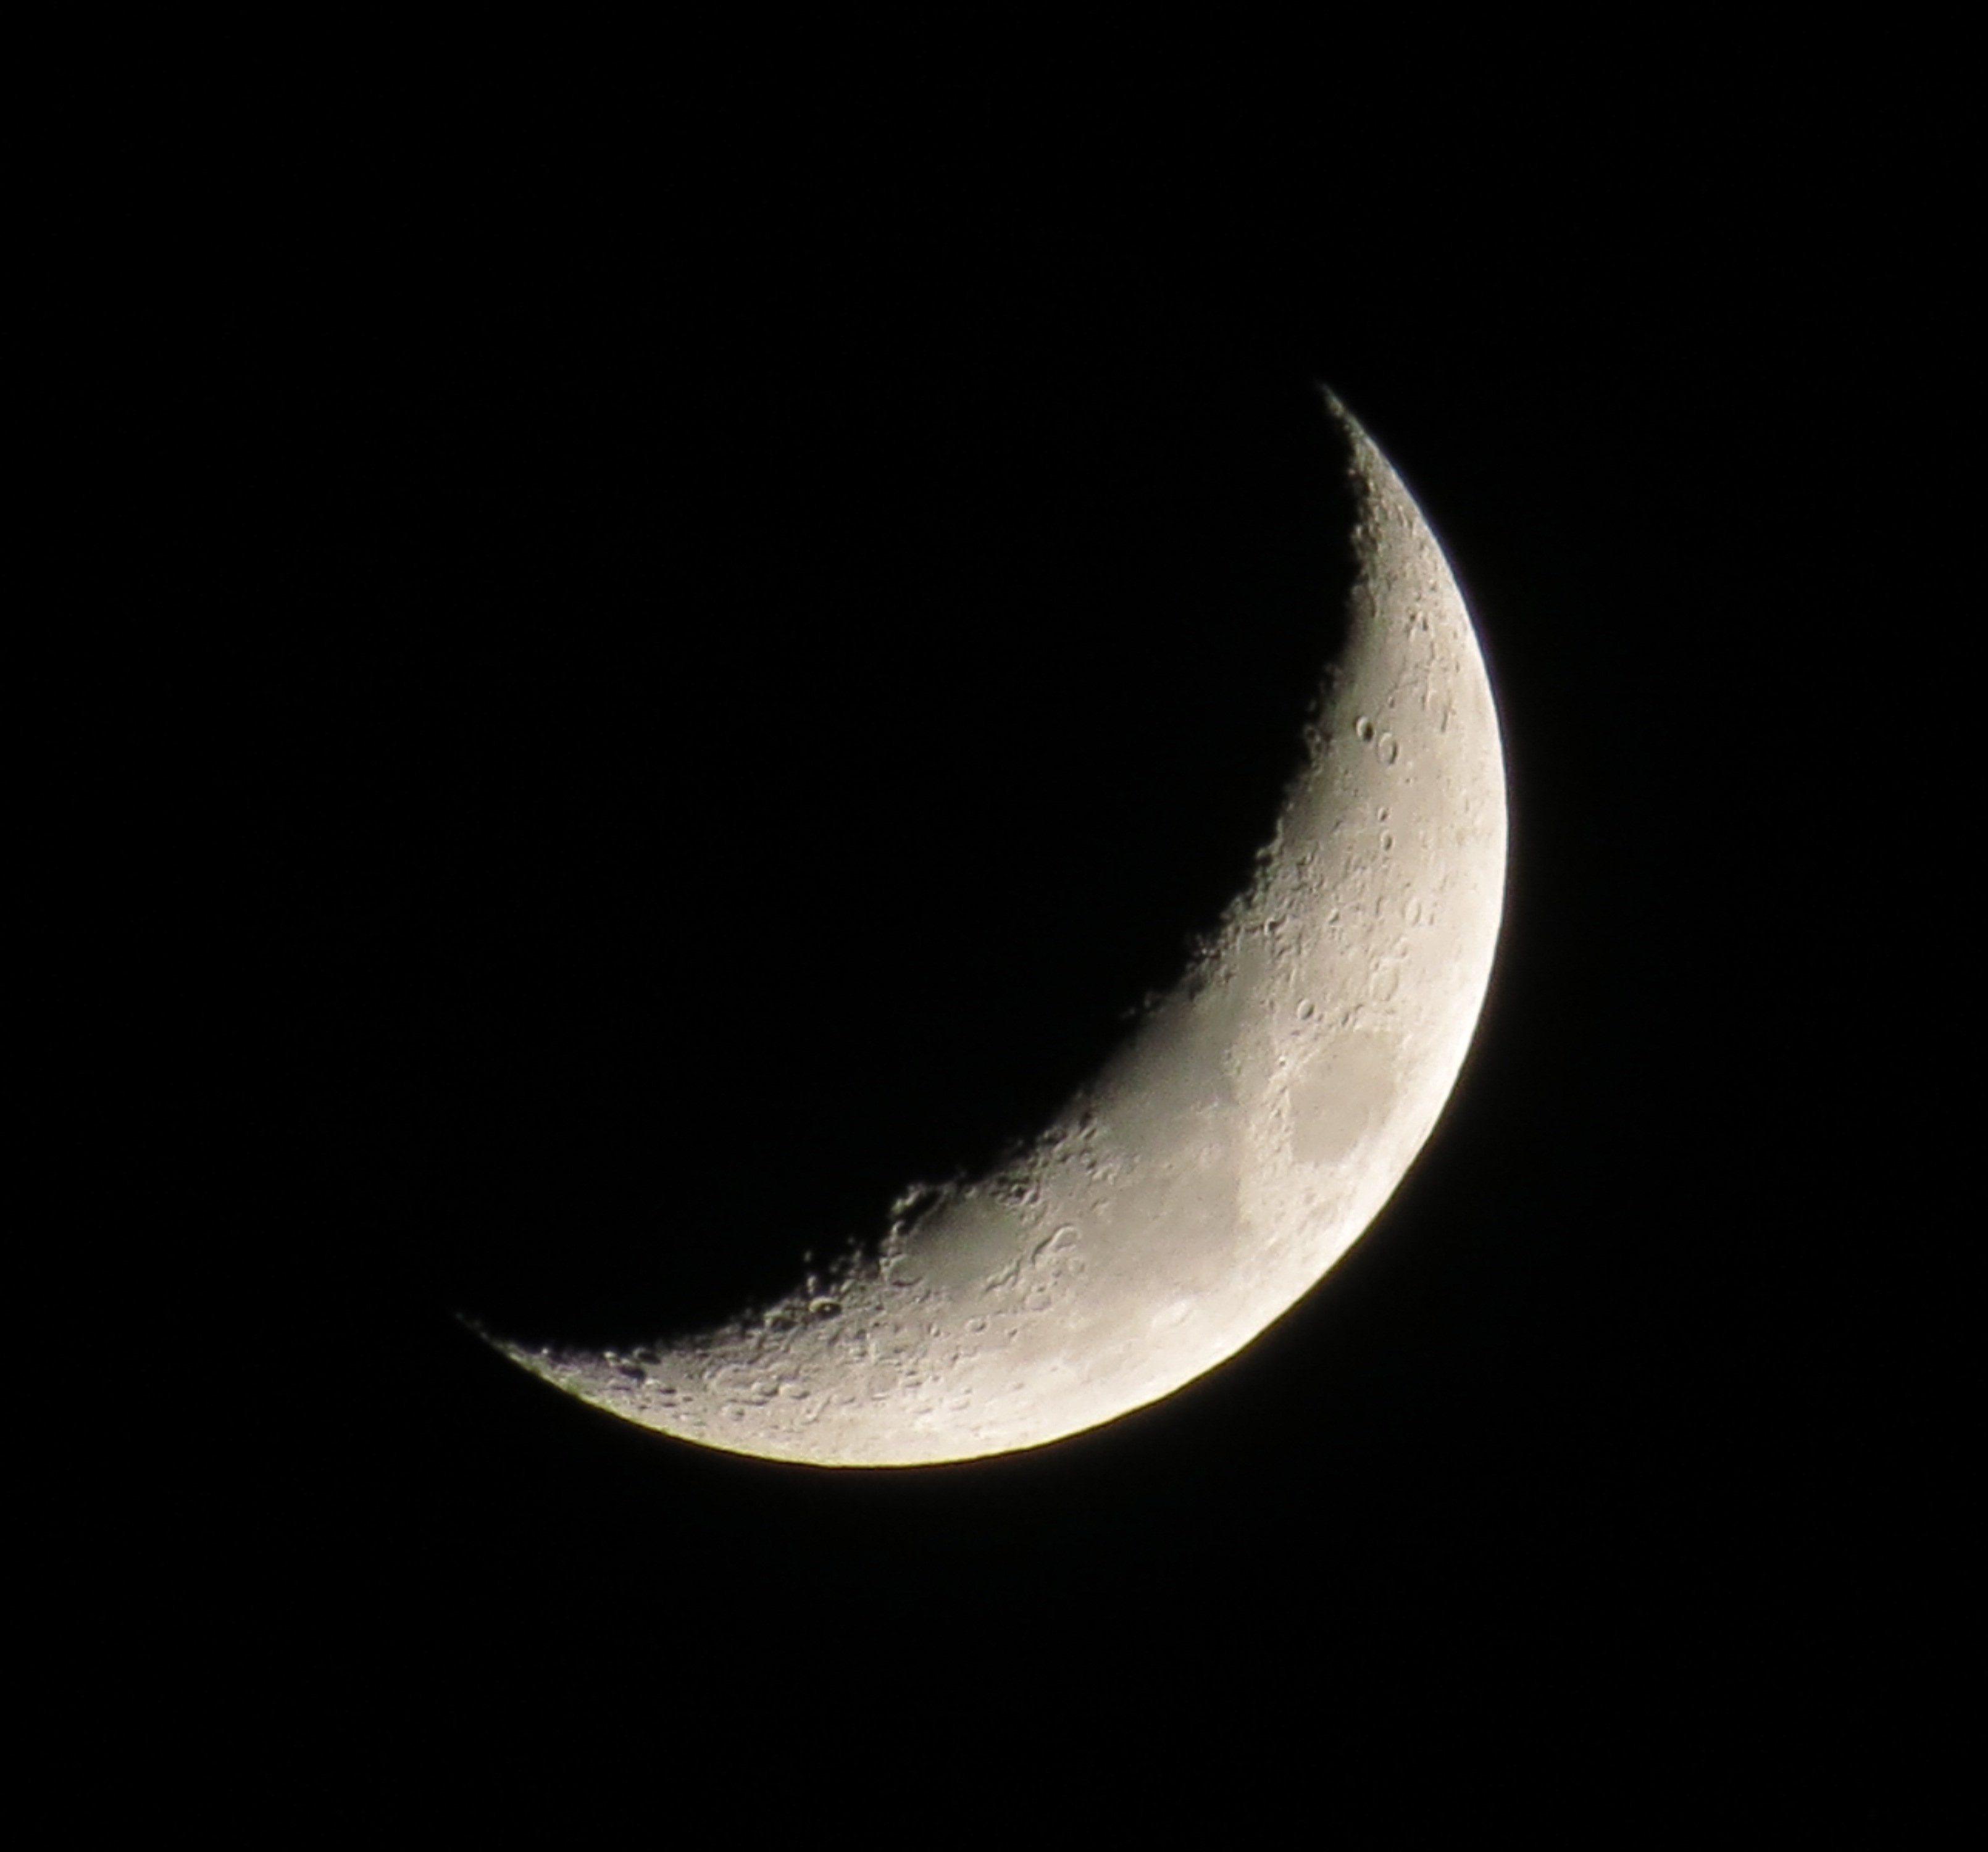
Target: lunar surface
<point>1250,1127</point>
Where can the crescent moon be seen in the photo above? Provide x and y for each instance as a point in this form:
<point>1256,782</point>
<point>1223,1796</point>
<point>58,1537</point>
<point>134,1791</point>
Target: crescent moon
<point>1243,1138</point>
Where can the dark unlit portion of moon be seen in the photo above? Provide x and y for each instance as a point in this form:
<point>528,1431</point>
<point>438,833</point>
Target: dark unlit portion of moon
<point>1241,1135</point>
<point>823,830</point>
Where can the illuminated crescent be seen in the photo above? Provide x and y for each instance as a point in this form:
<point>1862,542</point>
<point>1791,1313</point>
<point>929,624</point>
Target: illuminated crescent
<point>1252,1124</point>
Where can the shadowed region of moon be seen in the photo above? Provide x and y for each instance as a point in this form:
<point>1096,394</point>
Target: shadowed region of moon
<point>688,880</point>
<point>1205,1165</point>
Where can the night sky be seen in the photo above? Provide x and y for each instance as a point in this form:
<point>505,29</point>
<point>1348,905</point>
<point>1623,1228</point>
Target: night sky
<point>733,652</point>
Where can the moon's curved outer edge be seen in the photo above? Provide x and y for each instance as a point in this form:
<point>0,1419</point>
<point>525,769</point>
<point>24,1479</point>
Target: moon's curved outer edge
<point>1253,1126</point>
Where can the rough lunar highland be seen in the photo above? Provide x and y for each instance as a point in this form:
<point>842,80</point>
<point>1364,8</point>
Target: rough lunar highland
<point>1251,1127</point>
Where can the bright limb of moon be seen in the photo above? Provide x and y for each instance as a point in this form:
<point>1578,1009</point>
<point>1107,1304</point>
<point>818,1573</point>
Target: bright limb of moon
<point>1251,1127</point>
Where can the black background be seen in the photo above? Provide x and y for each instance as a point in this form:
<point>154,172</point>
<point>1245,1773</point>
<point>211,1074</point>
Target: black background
<point>732,647</point>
